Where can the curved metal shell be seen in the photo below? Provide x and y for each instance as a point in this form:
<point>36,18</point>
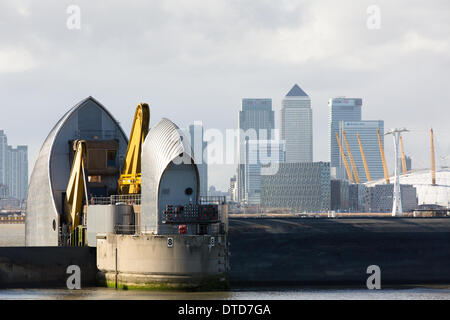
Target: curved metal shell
<point>86,120</point>
<point>167,170</point>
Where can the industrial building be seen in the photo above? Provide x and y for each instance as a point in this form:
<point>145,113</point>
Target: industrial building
<point>380,197</point>
<point>339,195</point>
<point>357,195</point>
<point>362,198</point>
<point>302,187</point>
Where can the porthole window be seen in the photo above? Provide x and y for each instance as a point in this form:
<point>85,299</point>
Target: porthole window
<point>54,225</point>
<point>188,191</point>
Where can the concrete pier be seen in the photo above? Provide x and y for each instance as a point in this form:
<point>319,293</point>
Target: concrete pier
<point>162,261</point>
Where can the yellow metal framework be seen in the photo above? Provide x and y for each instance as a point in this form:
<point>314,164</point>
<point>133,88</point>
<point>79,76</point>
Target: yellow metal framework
<point>363,156</point>
<point>76,185</point>
<point>383,159</point>
<point>344,159</point>
<point>433,163</point>
<point>352,161</point>
<point>130,179</point>
<point>404,169</point>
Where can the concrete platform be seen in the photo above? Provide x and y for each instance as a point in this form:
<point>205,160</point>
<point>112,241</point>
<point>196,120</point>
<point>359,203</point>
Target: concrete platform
<point>163,262</point>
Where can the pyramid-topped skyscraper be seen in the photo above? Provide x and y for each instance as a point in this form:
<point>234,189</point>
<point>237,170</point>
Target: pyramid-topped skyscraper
<point>296,125</point>
<point>296,91</point>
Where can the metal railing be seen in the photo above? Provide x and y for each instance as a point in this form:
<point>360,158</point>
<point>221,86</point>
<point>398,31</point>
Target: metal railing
<point>125,229</point>
<point>12,219</point>
<point>136,199</point>
<point>212,200</point>
<point>129,199</point>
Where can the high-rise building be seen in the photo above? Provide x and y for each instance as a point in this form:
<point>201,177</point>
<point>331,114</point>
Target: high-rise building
<point>264,157</point>
<point>198,145</point>
<point>13,168</point>
<point>340,109</point>
<point>408,163</point>
<point>233,189</point>
<point>296,126</point>
<point>3,156</point>
<point>18,172</point>
<point>367,131</point>
<point>256,121</point>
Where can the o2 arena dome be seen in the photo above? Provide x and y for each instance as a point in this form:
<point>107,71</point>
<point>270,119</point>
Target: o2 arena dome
<point>426,192</point>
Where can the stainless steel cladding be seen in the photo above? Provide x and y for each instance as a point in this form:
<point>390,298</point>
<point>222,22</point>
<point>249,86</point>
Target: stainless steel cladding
<point>169,175</point>
<point>87,120</point>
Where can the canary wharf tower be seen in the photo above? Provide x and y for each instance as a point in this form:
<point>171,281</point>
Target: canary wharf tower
<point>296,126</point>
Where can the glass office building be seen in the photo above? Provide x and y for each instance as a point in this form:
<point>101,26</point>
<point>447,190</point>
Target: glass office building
<point>296,126</point>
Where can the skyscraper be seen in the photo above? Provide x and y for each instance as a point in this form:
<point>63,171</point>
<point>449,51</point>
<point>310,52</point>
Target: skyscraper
<point>264,157</point>
<point>198,147</point>
<point>256,122</point>
<point>13,168</point>
<point>367,131</point>
<point>3,156</point>
<point>18,172</point>
<point>296,126</point>
<point>341,109</point>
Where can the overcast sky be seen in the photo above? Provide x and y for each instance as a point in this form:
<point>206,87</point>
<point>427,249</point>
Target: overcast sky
<point>195,60</point>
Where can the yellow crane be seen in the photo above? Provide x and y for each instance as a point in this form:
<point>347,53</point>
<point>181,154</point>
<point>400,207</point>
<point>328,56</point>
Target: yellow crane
<point>344,159</point>
<point>404,169</point>
<point>352,161</point>
<point>76,186</point>
<point>433,164</point>
<point>383,159</point>
<point>130,178</point>
<point>363,156</point>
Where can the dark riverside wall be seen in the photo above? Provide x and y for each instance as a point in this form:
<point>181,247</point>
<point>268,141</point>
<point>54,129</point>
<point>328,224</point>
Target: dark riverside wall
<point>28,267</point>
<point>308,251</point>
<point>282,251</point>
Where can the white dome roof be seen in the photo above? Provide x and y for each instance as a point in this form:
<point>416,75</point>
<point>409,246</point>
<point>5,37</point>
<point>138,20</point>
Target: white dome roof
<point>426,193</point>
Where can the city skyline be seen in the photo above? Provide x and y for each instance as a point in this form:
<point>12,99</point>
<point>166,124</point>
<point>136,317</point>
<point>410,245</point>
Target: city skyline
<point>13,169</point>
<point>154,56</point>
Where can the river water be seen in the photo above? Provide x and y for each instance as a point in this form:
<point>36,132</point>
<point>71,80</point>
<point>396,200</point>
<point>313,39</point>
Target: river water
<point>13,235</point>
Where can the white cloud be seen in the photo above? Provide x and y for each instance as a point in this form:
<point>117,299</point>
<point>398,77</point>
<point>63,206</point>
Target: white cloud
<point>16,60</point>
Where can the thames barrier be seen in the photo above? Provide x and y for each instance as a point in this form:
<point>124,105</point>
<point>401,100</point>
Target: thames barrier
<point>129,213</point>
